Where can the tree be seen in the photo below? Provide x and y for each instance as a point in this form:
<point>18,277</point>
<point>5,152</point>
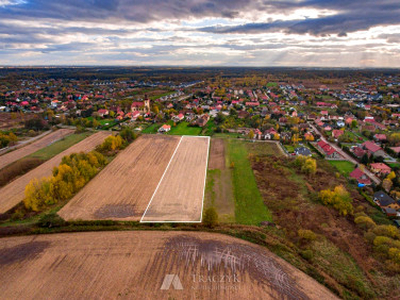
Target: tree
<point>210,217</point>
<point>353,124</point>
<point>391,176</point>
<point>387,184</point>
<point>338,198</point>
<point>251,134</point>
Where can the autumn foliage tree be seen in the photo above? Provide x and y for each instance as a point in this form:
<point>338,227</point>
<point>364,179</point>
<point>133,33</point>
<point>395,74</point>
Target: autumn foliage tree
<point>71,175</point>
<point>338,198</point>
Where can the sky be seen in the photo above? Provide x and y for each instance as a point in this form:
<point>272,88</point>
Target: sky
<point>307,33</point>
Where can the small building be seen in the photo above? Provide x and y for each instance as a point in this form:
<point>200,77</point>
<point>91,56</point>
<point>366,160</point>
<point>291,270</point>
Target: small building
<point>302,151</point>
<point>360,176</point>
<point>164,128</point>
<point>380,168</point>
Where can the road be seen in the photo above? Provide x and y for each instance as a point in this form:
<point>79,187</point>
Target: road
<point>346,156</point>
<point>22,143</point>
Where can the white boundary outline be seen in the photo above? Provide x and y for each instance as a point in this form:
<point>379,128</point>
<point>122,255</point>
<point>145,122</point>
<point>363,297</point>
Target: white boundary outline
<point>166,169</point>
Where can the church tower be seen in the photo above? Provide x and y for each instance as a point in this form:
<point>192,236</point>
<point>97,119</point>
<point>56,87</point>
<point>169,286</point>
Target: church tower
<point>146,104</point>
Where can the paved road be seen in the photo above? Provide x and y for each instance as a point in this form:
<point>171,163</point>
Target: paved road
<point>346,156</point>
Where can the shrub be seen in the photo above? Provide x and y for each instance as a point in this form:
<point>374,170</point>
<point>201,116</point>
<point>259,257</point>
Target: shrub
<point>306,234</point>
<point>387,230</point>
<point>307,254</point>
<point>365,222</point>
<point>338,198</point>
<point>210,217</point>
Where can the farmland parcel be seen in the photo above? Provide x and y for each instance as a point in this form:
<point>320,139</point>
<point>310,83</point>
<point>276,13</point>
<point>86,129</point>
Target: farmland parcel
<point>13,193</point>
<point>123,189</point>
<point>179,195</point>
<point>139,265</point>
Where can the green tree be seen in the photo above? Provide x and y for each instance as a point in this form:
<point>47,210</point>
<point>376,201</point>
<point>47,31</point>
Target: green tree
<point>210,217</point>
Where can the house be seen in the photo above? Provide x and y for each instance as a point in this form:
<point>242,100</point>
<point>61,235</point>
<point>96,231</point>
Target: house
<point>337,133</point>
<point>178,118</point>
<point>328,150</point>
<point>302,151</point>
<point>380,168</point>
<point>380,137</point>
<point>383,200</point>
<point>102,112</point>
<point>202,121</point>
<point>164,128</point>
<point>358,152</point>
<point>373,149</point>
<point>360,176</point>
<point>390,212</point>
<point>269,134</point>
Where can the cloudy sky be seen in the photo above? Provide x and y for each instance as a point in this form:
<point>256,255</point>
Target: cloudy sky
<point>326,33</point>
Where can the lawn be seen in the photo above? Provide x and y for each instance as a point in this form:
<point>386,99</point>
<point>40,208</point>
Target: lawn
<point>249,205</point>
<point>182,128</point>
<point>344,167</point>
<point>152,128</point>
<point>59,146</point>
<point>272,84</point>
<point>290,148</point>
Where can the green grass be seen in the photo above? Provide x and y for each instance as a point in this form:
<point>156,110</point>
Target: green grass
<point>209,128</point>
<point>182,128</point>
<point>344,167</point>
<point>59,146</point>
<point>249,205</point>
<point>272,84</point>
<point>152,128</point>
<point>290,148</point>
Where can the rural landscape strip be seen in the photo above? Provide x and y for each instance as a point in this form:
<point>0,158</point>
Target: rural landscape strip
<point>179,196</point>
<point>13,193</point>
<point>19,153</point>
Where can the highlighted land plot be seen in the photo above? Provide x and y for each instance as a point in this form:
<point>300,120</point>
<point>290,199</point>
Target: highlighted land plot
<point>123,189</point>
<point>180,193</point>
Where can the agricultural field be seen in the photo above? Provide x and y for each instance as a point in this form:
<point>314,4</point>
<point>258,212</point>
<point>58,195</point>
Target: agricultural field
<point>123,189</point>
<point>13,193</point>
<point>148,265</point>
<point>179,195</point>
<point>59,146</point>
<point>48,139</point>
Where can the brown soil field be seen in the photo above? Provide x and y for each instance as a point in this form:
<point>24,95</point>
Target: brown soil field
<point>15,155</point>
<point>124,188</point>
<point>179,195</point>
<point>147,265</point>
<point>13,193</point>
<point>217,154</point>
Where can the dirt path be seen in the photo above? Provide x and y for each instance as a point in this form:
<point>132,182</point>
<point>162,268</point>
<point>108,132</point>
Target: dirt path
<point>217,154</point>
<point>13,193</point>
<point>48,139</point>
<point>147,265</point>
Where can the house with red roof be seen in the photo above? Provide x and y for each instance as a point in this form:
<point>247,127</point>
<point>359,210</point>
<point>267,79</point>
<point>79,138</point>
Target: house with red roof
<point>164,128</point>
<point>379,137</point>
<point>328,150</point>
<point>336,133</point>
<point>380,168</point>
<point>360,176</point>
<point>373,149</point>
<point>102,112</point>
